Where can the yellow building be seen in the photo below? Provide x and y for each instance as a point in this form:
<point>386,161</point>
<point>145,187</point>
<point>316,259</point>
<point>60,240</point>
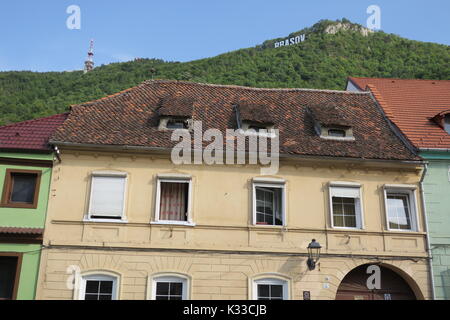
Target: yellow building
<point>126,222</point>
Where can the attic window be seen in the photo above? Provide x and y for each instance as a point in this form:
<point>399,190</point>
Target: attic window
<point>176,124</point>
<point>258,127</point>
<point>339,133</point>
<point>447,123</point>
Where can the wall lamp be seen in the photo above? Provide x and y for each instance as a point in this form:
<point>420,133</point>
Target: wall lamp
<point>313,254</point>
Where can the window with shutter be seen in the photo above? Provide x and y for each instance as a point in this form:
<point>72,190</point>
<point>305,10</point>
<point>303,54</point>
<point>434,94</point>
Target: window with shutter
<point>107,196</point>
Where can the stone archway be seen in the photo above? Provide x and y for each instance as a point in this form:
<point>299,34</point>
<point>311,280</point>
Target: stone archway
<point>393,286</point>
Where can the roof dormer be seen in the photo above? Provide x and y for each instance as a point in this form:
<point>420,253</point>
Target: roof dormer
<point>175,113</point>
<point>443,120</point>
<point>331,122</point>
<point>253,119</point>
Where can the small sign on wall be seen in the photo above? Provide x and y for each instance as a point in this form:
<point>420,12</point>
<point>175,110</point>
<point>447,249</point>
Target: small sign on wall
<point>306,295</point>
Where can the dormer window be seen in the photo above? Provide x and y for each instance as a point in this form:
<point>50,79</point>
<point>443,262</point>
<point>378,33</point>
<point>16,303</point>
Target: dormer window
<point>254,119</point>
<point>176,124</point>
<point>332,122</point>
<point>339,133</point>
<point>447,123</point>
<point>175,113</point>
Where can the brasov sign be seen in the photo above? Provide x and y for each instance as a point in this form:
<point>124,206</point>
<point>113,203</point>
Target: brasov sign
<point>290,41</point>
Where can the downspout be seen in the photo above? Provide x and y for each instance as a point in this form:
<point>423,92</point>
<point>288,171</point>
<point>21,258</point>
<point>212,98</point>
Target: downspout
<point>424,208</point>
<point>57,153</point>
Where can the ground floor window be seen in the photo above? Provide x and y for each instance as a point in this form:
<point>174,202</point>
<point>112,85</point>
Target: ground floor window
<point>98,287</point>
<point>270,289</point>
<point>9,276</point>
<point>169,288</point>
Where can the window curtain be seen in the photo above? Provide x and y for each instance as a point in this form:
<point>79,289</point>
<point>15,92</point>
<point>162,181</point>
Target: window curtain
<point>173,201</point>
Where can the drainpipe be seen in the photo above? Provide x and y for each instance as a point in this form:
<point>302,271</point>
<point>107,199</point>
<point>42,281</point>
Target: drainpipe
<point>424,208</point>
<point>57,153</point>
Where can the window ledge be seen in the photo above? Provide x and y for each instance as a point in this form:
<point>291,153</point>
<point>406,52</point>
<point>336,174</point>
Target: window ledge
<point>349,139</point>
<point>267,226</point>
<point>173,223</point>
<point>348,228</point>
<point>105,220</point>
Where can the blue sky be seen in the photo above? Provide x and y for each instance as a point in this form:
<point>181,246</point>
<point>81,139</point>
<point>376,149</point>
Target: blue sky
<point>34,35</point>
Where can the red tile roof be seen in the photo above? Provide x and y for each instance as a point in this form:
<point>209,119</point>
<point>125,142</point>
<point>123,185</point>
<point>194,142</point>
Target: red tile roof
<point>411,105</point>
<point>131,117</point>
<point>25,231</point>
<point>30,135</point>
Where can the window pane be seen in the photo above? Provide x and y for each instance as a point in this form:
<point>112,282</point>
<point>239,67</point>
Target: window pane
<point>105,297</point>
<point>107,196</point>
<point>23,187</point>
<point>350,222</point>
<point>399,211</point>
<point>263,290</point>
<point>269,205</point>
<point>91,297</point>
<point>174,201</point>
<point>162,288</point>
<point>162,298</point>
<point>176,288</point>
<point>276,291</point>
<point>344,212</point>
<point>336,133</point>
<point>8,267</point>
<point>92,286</point>
<point>106,287</point>
<point>338,221</point>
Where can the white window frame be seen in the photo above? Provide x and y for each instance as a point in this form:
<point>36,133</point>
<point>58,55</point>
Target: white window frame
<point>173,179</point>
<point>99,277</point>
<point>169,277</point>
<point>270,280</point>
<point>269,183</point>
<point>116,174</point>
<point>359,215</point>
<point>409,190</point>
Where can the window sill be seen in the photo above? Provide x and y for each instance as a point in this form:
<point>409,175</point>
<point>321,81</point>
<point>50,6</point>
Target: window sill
<point>174,223</point>
<point>347,228</point>
<point>105,220</point>
<point>18,206</point>
<point>267,226</point>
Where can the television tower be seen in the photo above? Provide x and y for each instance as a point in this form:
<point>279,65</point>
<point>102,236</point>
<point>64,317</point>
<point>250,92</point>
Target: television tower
<point>89,63</point>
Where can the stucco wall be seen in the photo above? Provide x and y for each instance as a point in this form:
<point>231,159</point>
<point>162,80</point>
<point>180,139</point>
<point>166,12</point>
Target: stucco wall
<point>222,209</point>
<point>212,276</point>
<point>437,196</point>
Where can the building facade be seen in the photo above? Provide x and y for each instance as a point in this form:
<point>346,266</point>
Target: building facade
<point>126,222</point>
<point>25,169</point>
<point>420,111</point>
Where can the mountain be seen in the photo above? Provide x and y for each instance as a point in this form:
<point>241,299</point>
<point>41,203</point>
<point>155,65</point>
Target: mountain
<point>331,51</point>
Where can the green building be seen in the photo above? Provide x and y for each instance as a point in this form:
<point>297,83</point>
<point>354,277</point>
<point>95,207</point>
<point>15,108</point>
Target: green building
<point>26,162</point>
<point>419,110</point>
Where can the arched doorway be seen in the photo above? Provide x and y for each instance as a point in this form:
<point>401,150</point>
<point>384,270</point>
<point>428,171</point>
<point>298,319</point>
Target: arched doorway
<point>393,286</point>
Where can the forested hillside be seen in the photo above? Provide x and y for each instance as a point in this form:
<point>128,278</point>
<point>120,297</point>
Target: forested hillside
<point>324,60</point>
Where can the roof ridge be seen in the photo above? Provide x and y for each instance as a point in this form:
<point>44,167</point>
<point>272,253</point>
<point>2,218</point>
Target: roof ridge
<point>379,97</point>
<point>148,82</point>
<point>410,79</point>
<point>108,96</point>
<point>32,120</point>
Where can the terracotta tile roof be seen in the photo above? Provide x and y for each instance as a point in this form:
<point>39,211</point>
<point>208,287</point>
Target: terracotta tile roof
<point>331,114</point>
<point>23,231</point>
<point>254,112</point>
<point>412,105</point>
<point>176,106</point>
<point>131,119</point>
<point>30,135</point>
